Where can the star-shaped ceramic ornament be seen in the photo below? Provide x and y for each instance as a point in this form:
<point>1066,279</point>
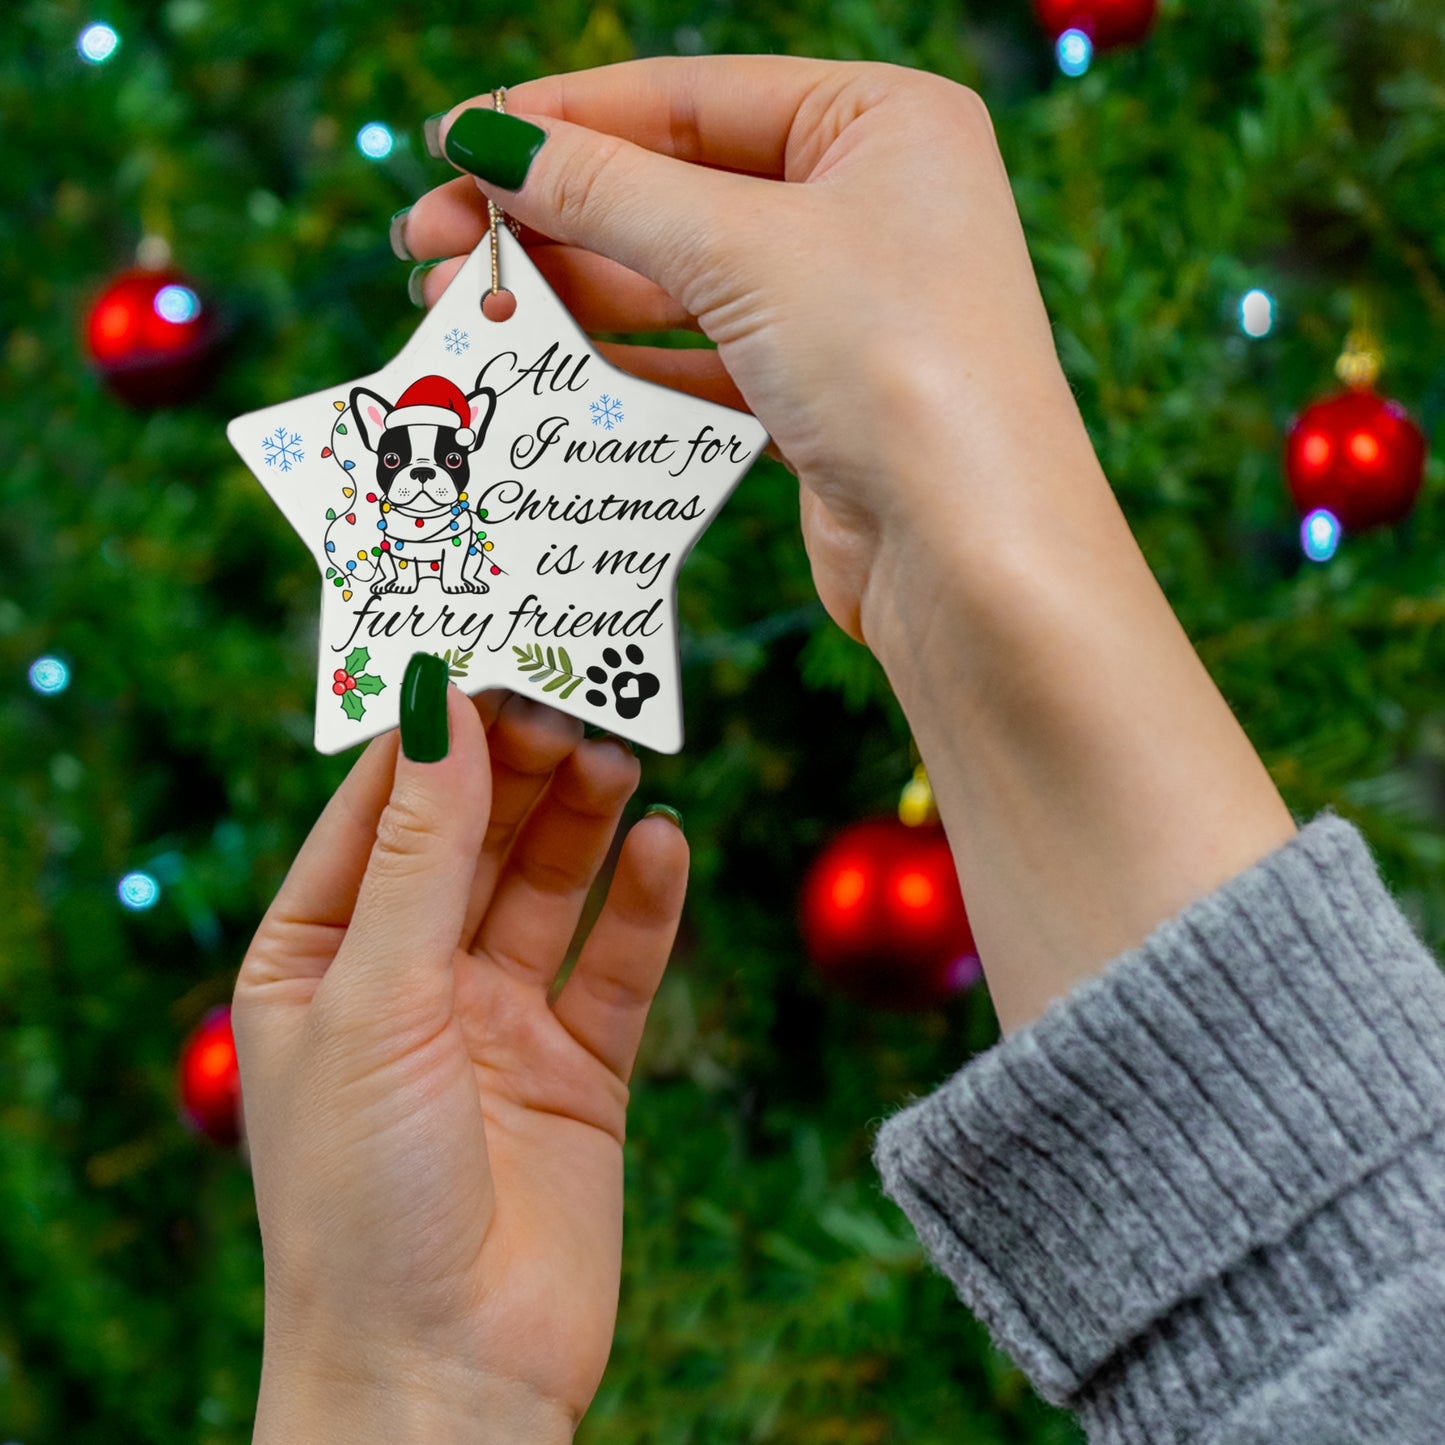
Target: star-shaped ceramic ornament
<point>503,497</point>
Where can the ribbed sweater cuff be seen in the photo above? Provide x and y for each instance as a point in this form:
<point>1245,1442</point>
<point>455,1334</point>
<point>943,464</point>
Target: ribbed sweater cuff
<point>1173,1120</point>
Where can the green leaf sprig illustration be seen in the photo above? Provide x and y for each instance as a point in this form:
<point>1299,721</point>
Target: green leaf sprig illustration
<point>542,663</point>
<point>456,665</point>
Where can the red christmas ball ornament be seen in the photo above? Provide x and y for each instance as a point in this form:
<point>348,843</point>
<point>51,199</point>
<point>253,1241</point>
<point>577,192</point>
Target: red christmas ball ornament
<point>152,338</point>
<point>1107,23</point>
<point>210,1081</point>
<point>1359,456</point>
<point>883,916</point>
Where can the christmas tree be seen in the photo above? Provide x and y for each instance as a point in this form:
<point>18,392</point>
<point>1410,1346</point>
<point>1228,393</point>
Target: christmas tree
<point>1212,212</point>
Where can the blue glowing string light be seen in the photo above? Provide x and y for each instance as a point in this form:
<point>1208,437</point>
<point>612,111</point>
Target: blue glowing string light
<point>1256,313</point>
<point>97,44</point>
<point>49,675</point>
<point>375,141</point>
<point>1075,52</point>
<point>177,303</point>
<point>138,891</point>
<point>1320,535</point>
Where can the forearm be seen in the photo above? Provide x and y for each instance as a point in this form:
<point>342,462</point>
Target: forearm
<point>1092,779</point>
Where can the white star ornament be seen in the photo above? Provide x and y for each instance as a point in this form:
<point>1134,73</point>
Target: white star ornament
<point>503,497</point>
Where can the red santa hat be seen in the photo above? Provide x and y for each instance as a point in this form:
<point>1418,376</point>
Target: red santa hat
<point>434,401</point>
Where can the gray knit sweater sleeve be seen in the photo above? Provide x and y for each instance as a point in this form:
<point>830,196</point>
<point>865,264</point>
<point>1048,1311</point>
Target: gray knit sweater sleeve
<point>1202,1199</point>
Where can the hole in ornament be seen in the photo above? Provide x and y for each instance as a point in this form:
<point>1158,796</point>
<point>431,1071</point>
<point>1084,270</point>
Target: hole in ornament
<point>499,305</point>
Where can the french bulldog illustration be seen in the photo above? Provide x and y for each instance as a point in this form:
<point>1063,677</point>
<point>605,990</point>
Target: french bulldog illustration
<point>423,446</point>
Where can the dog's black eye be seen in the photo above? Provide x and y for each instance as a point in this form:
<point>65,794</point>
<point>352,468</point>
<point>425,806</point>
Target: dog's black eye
<point>391,461</point>
<point>454,460</point>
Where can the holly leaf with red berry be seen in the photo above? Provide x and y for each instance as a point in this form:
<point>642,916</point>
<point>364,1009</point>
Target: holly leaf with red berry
<point>349,682</point>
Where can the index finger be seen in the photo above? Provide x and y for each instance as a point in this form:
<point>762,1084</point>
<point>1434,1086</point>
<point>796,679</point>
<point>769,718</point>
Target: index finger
<point>735,112</point>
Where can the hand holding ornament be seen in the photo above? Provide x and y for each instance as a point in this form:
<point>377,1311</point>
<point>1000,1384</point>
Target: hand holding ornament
<point>847,235</point>
<point>437,1143</point>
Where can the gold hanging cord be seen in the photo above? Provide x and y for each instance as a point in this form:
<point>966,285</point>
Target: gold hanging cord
<point>495,214</point>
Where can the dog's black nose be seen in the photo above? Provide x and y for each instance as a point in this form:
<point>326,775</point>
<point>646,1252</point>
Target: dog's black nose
<point>422,474</point>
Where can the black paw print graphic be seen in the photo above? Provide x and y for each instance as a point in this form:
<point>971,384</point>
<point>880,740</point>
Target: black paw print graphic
<point>629,689</point>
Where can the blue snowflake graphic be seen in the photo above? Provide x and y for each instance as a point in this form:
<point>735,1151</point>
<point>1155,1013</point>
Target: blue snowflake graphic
<point>456,341</point>
<point>283,449</point>
<point>607,411</point>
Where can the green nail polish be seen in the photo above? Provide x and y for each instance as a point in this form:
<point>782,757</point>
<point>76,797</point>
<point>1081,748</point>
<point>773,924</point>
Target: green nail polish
<point>397,235</point>
<point>671,814</point>
<point>498,148</point>
<point>431,133</point>
<point>413,282</point>
<point>424,734</point>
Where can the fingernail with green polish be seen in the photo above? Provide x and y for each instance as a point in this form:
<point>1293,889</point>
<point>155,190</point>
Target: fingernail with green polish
<point>671,814</point>
<point>397,235</point>
<point>424,734</point>
<point>606,737</point>
<point>431,133</point>
<point>413,282</point>
<point>498,148</point>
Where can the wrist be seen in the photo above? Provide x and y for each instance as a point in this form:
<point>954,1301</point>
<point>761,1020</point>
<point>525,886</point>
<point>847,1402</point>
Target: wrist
<point>980,531</point>
<point>407,1401</point>
<point>989,478</point>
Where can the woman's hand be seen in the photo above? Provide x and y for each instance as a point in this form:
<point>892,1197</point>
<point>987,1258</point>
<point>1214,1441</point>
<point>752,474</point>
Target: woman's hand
<point>437,1148</point>
<point>879,315</point>
<point>848,237</point>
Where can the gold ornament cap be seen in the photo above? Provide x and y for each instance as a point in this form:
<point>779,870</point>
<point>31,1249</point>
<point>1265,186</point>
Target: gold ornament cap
<point>915,804</point>
<point>1359,364</point>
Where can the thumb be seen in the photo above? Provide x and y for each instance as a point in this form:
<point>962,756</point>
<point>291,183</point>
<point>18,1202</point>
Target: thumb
<point>669,220</point>
<point>396,959</point>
